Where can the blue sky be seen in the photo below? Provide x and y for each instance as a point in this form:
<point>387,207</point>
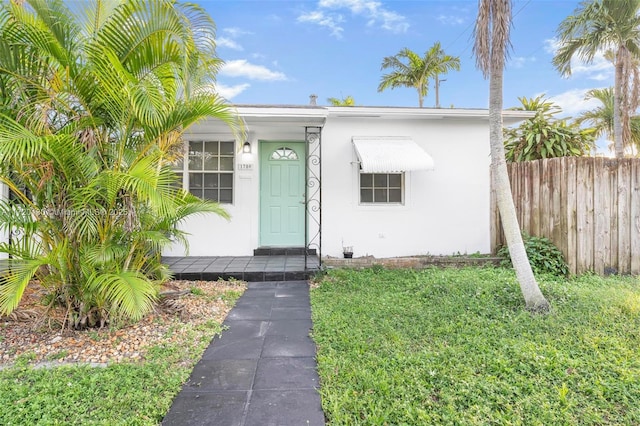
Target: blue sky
<point>281,51</point>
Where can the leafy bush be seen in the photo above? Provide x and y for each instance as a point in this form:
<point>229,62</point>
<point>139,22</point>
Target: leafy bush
<point>544,136</point>
<point>89,137</point>
<point>544,256</point>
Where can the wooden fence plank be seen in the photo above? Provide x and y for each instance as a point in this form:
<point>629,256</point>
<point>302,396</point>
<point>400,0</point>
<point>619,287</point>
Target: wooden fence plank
<point>611,267</point>
<point>624,216</point>
<point>556,231</point>
<point>515,189</point>
<point>571,256</point>
<point>526,203</point>
<point>589,207</point>
<point>601,216</point>
<point>522,203</point>
<point>635,217</point>
<point>545,196</point>
<point>584,197</point>
<point>534,172</point>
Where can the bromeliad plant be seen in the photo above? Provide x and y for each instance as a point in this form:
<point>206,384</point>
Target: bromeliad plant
<point>94,103</point>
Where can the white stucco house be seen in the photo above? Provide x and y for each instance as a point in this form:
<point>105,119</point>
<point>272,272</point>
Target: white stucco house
<point>386,181</point>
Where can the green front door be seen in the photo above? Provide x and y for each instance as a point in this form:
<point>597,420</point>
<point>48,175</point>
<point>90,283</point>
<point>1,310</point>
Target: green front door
<point>282,206</point>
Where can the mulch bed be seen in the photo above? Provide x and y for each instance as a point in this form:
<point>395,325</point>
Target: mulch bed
<point>28,332</point>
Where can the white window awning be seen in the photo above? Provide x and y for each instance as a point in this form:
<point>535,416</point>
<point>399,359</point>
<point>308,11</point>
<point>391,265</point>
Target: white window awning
<point>391,154</point>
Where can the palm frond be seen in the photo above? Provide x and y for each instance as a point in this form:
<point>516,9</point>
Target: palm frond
<point>14,280</point>
<point>17,143</point>
<point>186,113</point>
<point>105,253</point>
<point>482,37</point>
<point>128,292</point>
<point>52,32</point>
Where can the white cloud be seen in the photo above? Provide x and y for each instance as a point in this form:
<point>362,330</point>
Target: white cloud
<point>521,61</point>
<point>318,17</point>
<point>371,10</point>
<point>227,42</point>
<point>573,103</point>
<point>602,76</point>
<point>235,32</point>
<point>243,68</point>
<point>599,69</point>
<point>551,45</point>
<point>450,20</point>
<point>229,92</point>
<point>273,18</point>
<point>229,39</point>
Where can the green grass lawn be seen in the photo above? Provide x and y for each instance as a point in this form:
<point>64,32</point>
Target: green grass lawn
<point>120,394</point>
<point>445,346</point>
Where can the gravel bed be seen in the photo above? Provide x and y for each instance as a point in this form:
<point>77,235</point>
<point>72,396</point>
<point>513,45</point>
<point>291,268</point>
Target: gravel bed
<point>27,332</point>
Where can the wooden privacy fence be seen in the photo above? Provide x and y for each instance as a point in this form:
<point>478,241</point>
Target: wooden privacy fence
<point>589,207</point>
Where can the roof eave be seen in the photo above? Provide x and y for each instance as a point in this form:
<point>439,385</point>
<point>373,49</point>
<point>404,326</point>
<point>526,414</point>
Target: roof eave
<point>509,116</point>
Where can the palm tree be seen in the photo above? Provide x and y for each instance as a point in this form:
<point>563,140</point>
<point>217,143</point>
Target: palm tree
<point>491,34</point>
<point>440,63</point>
<point>94,104</point>
<point>601,118</point>
<point>599,25</point>
<point>411,70</point>
<point>348,101</point>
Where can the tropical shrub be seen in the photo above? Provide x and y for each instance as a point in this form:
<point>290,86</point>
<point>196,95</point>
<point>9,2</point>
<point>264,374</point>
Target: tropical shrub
<point>95,99</point>
<point>544,136</point>
<point>544,256</point>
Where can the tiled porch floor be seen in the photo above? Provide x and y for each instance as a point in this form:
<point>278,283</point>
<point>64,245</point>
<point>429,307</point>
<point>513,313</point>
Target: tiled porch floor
<point>246,268</point>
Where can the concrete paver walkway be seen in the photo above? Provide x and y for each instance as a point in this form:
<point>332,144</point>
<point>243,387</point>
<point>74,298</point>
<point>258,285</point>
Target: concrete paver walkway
<point>262,370</point>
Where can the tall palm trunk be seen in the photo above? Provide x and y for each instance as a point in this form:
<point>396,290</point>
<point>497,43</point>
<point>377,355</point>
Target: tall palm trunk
<point>534,299</point>
<point>617,110</point>
<point>491,44</point>
<point>437,87</point>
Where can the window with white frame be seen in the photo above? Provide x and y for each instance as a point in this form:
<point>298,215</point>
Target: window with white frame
<point>381,188</point>
<point>209,170</point>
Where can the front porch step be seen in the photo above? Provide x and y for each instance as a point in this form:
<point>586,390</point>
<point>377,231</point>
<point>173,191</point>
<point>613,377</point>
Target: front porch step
<point>283,251</point>
<point>246,276</point>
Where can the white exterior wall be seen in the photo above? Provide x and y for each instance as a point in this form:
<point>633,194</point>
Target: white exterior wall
<point>211,235</point>
<point>445,210</point>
